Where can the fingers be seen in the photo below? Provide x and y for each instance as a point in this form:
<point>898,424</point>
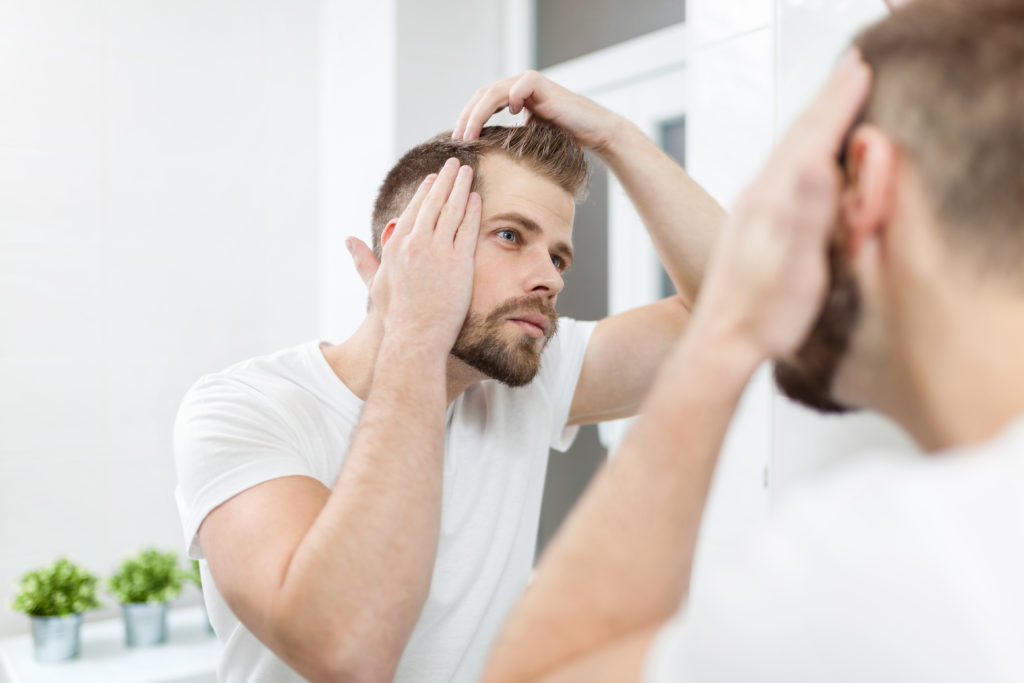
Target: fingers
<point>828,118</point>
<point>485,107</point>
<point>435,200</point>
<point>484,103</point>
<point>522,91</point>
<point>408,218</point>
<point>455,208</point>
<point>362,256</point>
<point>469,228</point>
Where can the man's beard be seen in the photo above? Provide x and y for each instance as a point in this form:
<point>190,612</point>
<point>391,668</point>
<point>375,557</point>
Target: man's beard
<point>808,378</point>
<point>482,345</point>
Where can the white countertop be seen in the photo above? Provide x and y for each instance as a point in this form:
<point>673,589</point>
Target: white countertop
<point>189,656</point>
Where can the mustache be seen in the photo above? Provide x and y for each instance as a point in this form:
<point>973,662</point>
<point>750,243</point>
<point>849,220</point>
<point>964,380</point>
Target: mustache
<point>525,304</point>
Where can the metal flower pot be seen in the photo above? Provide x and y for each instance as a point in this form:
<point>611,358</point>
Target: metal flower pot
<point>145,623</point>
<point>56,638</point>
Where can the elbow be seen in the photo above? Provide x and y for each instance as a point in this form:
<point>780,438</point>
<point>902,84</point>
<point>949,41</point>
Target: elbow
<point>364,668</point>
<point>321,665</point>
<point>335,653</point>
<point>330,670</point>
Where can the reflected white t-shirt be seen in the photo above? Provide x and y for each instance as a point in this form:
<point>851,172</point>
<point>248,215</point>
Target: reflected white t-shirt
<point>289,414</point>
<point>889,570</point>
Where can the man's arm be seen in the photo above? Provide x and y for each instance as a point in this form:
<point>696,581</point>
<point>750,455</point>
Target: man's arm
<point>681,218</point>
<point>622,562</point>
<point>334,581</point>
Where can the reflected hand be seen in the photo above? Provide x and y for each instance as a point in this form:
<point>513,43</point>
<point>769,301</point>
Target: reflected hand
<point>590,123</point>
<point>768,275</point>
<point>423,284</point>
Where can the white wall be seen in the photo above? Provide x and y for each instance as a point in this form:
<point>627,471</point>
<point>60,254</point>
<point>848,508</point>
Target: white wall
<point>446,50</point>
<point>176,181</point>
<point>358,92</point>
<point>157,221</point>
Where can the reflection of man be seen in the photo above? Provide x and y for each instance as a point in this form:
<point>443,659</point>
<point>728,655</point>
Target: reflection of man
<point>892,569</point>
<point>369,510</point>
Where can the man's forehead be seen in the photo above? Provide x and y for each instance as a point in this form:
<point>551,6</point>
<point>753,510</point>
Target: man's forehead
<point>510,189</point>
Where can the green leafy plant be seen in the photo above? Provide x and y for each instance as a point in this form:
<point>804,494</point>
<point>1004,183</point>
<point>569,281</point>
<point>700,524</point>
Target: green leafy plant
<point>194,576</point>
<point>149,576</point>
<point>61,589</point>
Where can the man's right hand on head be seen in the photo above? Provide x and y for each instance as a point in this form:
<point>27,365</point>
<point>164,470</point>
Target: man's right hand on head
<point>422,287</point>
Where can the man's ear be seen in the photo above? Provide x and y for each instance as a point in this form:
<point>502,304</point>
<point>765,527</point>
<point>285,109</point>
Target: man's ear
<point>869,193</point>
<point>388,230</point>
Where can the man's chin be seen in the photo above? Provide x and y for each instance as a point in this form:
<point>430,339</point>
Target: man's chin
<point>509,365</point>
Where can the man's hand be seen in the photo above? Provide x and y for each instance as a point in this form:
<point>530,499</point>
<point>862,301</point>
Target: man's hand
<point>423,286</point>
<point>768,275</point>
<point>590,123</point>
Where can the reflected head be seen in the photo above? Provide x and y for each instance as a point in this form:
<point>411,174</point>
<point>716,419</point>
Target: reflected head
<point>546,149</point>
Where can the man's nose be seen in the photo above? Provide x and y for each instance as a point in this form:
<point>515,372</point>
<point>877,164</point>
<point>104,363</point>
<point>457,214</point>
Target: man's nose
<point>545,278</point>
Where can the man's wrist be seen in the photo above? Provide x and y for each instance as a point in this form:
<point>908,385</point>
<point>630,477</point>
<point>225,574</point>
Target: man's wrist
<point>417,346</point>
<point>622,135</point>
<point>727,356</point>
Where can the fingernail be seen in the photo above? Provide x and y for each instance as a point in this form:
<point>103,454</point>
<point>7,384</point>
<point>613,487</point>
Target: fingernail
<point>348,245</point>
<point>451,163</point>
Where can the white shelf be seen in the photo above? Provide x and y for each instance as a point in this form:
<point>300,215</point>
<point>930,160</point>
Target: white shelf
<point>189,656</point>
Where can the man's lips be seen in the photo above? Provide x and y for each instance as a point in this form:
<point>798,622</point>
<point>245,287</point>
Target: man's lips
<point>535,325</point>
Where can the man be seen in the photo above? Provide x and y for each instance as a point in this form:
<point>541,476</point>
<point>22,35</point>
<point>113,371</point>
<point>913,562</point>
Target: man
<point>368,511</point>
<point>895,285</point>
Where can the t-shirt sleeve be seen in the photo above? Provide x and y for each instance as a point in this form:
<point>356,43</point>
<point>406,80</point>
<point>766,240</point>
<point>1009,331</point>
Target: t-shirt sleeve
<point>560,373</point>
<point>228,437</point>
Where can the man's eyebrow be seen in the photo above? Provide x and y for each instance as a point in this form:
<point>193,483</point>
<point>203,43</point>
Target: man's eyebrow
<point>564,250</point>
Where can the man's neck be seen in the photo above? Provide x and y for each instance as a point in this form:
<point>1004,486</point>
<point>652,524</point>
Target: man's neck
<point>355,359</point>
<point>963,367</point>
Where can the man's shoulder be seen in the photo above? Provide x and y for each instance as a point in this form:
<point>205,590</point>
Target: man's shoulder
<point>273,385</point>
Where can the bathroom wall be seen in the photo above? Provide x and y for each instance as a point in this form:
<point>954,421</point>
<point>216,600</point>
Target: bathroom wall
<point>158,185</point>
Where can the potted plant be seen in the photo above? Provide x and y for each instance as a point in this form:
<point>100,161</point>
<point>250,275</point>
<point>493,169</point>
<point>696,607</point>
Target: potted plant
<point>144,584</point>
<point>54,598</point>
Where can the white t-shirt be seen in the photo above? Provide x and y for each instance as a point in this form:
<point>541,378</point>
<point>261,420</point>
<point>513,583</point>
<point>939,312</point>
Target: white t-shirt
<point>289,414</point>
<point>891,569</point>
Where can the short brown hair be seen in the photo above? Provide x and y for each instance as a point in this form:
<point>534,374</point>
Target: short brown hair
<point>949,90</point>
<point>542,147</point>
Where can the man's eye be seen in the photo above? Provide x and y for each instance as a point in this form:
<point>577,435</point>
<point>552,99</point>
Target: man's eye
<point>557,260</point>
<point>509,235</point>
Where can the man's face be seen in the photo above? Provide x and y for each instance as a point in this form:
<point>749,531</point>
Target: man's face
<point>808,377</point>
<point>523,249</point>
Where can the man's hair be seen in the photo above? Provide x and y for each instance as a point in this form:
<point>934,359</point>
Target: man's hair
<point>550,151</point>
<point>949,91</point>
